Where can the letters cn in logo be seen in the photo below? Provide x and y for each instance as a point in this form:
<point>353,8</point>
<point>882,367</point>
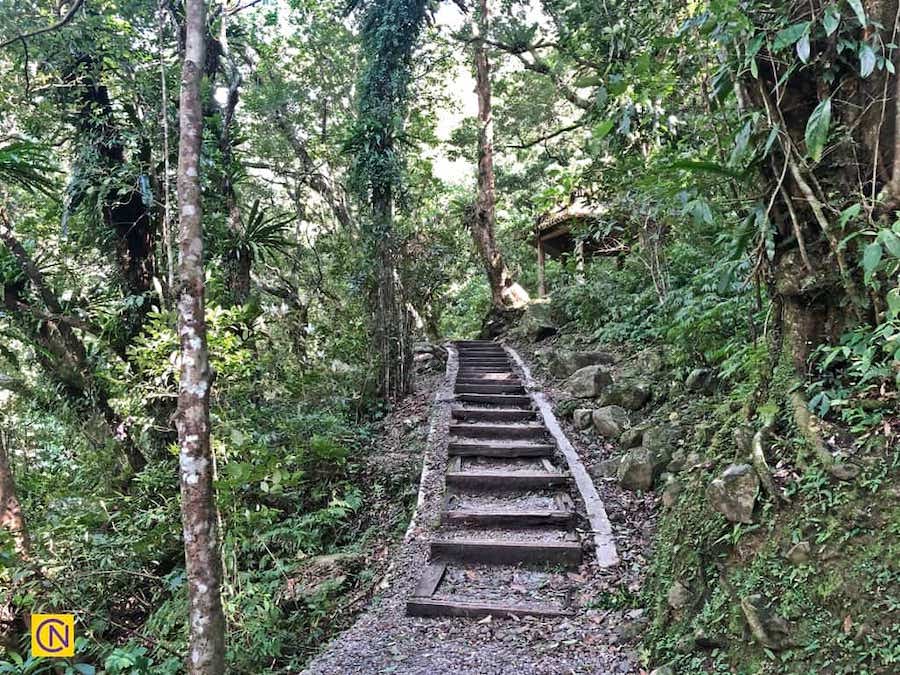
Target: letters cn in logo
<point>53,635</point>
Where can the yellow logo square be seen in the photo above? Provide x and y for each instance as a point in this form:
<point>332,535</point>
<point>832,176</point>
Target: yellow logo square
<point>53,635</point>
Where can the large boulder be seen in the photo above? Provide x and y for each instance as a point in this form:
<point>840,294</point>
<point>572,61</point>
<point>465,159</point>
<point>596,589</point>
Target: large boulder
<point>610,420</point>
<point>581,418</point>
<point>629,394</point>
<point>588,382</point>
<point>537,321</point>
<point>734,493</point>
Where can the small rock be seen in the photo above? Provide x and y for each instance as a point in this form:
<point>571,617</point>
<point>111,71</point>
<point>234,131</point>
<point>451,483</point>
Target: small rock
<point>607,468</point>
<point>670,493</point>
<point>733,494</point>
<point>677,462</point>
<point>610,420</point>
<point>705,641</point>
<point>588,382</point>
<point>678,596</point>
<point>569,361</point>
<point>700,379</point>
<point>663,670</point>
<point>637,469</point>
<point>844,471</point>
<point>581,418</point>
<point>631,438</point>
<point>660,441</point>
<point>767,628</point>
<point>629,629</point>
<point>628,395</point>
<point>649,360</point>
<point>799,552</point>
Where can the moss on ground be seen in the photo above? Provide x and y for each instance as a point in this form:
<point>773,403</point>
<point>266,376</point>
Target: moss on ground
<point>843,603</point>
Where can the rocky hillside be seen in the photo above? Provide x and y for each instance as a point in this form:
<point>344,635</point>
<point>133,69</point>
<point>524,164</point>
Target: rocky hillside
<point>762,559</point>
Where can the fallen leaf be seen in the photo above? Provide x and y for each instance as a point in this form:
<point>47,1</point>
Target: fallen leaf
<point>848,625</point>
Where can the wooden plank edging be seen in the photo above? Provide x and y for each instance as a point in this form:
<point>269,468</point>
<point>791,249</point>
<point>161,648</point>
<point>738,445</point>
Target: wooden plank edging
<point>438,424</point>
<point>604,543</point>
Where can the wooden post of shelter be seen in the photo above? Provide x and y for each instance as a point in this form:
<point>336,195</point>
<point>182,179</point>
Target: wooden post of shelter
<point>542,287</point>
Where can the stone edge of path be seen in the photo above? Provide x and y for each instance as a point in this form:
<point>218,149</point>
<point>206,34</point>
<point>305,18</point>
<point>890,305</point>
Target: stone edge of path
<point>439,422</point>
<point>604,544</point>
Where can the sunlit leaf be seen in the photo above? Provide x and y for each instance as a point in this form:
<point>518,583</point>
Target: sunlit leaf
<point>831,20</point>
<point>866,60</point>
<point>857,7</point>
<point>817,129</point>
<point>790,35</point>
<point>871,258</point>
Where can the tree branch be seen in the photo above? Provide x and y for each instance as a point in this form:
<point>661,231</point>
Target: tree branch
<point>46,29</point>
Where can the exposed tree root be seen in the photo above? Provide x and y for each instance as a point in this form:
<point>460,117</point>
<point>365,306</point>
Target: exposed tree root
<point>758,459</point>
<point>810,426</point>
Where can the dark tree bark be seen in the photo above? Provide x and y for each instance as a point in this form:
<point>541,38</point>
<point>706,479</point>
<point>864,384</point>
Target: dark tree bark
<point>815,277</point>
<point>198,508</point>
<point>124,209</point>
<point>504,292</point>
<point>391,319</point>
<point>11,517</point>
<point>12,619</point>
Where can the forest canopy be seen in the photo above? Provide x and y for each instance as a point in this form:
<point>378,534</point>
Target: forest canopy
<point>229,232</point>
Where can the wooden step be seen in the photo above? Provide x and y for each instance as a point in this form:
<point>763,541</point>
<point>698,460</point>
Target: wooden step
<point>493,414</point>
<point>508,518</point>
<point>498,449</point>
<point>500,481</point>
<point>484,361</point>
<point>489,389</point>
<point>495,399</point>
<point>437,606</point>
<point>507,552</point>
<point>497,430</point>
<point>479,381</point>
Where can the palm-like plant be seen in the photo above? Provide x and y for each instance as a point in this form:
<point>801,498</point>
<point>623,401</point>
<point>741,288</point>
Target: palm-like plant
<point>262,235</point>
<point>28,166</point>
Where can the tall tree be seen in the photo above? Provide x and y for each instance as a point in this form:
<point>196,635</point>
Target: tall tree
<point>198,508</point>
<point>390,32</point>
<point>504,292</point>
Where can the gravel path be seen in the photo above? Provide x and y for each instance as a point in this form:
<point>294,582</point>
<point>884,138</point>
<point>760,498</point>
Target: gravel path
<point>385,640</point>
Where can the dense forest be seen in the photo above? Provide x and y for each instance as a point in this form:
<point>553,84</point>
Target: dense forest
<point>237,237</point>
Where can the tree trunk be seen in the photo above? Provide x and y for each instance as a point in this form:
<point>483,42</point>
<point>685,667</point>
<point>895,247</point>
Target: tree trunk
<point>391,319</point>
<point>504,292</point>
<point>11,518</point>
<point>814,275</point>
<point>198,509</point>
<point>12,619</point>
